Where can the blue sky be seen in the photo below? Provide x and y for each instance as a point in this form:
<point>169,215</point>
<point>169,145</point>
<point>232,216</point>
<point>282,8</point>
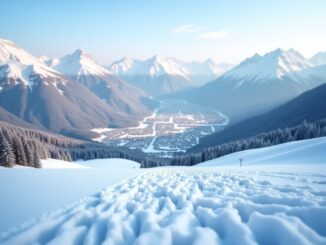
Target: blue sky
<point>191,30</point>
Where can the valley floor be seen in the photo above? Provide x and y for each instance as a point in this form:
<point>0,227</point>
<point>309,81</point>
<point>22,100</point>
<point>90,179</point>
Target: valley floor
<point>177,205</point>
<point>175,126</point>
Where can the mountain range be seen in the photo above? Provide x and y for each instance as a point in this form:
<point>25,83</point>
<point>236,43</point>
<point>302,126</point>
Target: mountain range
<point>258,84</point>
<point>74,94</point>
<point>161,76</point>
<point>43,96</point>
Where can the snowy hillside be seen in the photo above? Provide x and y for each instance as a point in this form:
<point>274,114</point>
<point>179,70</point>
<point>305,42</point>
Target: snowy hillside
<point>256,204</point>
<point>310,151</point>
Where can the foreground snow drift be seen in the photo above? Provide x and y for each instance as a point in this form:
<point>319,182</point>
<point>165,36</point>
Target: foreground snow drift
<point>193,206</point>
<point>27,193</point>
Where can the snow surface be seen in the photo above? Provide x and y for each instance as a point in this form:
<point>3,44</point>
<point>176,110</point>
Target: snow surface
<point>27,193</point>
<point>254,204</point>
<point>192,206</point>
<point>55,163</point>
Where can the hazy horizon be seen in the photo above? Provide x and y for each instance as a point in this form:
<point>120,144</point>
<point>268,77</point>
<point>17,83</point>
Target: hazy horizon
<point>110,30</point>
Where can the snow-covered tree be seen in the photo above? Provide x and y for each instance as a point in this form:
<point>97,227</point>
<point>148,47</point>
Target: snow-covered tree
<point>7,157</point>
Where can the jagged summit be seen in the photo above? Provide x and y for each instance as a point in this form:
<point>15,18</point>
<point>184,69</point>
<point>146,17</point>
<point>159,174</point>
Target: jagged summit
<point>275,64</point>
<point>79,63</point>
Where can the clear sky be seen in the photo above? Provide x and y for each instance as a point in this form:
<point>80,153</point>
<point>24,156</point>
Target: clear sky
<point>225,30</point>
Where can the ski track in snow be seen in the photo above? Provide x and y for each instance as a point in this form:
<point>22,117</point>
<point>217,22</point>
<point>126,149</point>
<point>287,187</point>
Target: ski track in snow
<point>191,206</point>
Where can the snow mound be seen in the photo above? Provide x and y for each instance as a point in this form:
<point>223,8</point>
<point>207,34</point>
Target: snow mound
<point>310,151</point>
<point>191,206</point>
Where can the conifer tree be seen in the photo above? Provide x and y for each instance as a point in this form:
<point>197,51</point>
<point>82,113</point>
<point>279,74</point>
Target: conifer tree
<point>7,157</point>
<point>19,152</point>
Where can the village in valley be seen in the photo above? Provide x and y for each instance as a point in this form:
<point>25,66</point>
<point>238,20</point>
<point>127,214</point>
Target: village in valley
<point>175,126</point>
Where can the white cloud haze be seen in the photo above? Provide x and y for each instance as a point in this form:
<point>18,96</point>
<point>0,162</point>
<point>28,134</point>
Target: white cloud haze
<point>185,29</point>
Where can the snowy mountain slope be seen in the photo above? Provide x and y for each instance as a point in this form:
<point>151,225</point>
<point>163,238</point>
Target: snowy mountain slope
<point>166,74</point>
<point>318,59</point>
<point>42,96</point>
<point>217,205</point>
<point>49,62</point>
<point>18,65</point>
<point>273,65</point>
<point>8,117</point>
<point>258,84</point>
<point>79,63</point>
<point>307,152</point>
<point>118,94</point>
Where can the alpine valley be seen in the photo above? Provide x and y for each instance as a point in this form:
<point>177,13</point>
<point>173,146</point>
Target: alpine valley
<point>162,122</point>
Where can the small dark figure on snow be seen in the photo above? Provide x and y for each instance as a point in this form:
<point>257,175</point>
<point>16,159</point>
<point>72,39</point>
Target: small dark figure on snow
<point>240,160</point>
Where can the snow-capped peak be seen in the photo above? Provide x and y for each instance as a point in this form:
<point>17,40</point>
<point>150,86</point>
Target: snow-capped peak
<point>318,59</point>
<point>275,64</point>
<point>196,72</point>
<point>79,63</point>
<point>9,52</point>
<point>43,58</point>
<point>207,68</point>
<point>48,61</point>
<point>154,67</point>
<point>17,64</point>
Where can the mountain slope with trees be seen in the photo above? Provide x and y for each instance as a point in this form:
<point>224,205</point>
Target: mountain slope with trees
<point>309,106</point>
<point>26,147</point>
<point>275,137</point>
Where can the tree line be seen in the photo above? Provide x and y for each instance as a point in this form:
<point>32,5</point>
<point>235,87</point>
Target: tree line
<point>301,132</point>
<point>25,147</point>
<point>22,146</point>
